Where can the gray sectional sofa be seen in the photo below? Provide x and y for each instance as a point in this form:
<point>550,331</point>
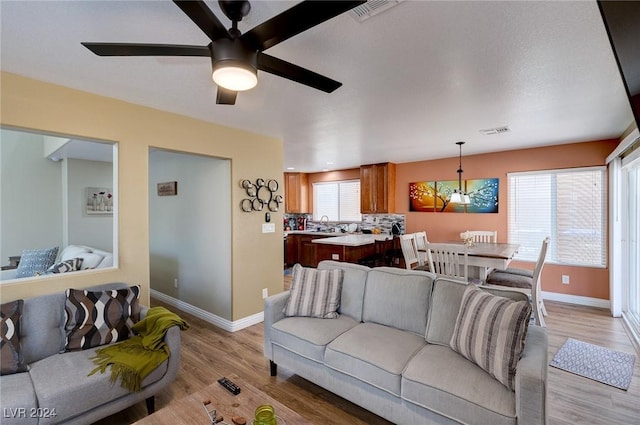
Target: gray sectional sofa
<point>388,352</point>
<point>56,388</point>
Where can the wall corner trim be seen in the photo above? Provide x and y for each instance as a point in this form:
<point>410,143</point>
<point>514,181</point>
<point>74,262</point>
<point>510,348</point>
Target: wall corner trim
<point>225,324</point>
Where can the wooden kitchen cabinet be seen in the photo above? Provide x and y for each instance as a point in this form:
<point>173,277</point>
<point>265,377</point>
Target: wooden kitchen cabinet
<point>301,250</point>
<point>296,193</point>
<point>378,188</point>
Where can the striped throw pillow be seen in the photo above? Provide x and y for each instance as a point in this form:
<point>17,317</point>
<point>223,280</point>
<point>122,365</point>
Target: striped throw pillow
<point>490,331</point>
<point>314,293</point>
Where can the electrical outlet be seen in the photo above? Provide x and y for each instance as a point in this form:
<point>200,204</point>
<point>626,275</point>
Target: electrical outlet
<point>565,279</point>
<point>175,282</point>
<point>335,256</point>
<point>265,293</point>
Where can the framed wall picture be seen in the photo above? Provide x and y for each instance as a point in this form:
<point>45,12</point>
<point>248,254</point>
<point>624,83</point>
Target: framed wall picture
<point>168,189</point>
<point>98,201</point>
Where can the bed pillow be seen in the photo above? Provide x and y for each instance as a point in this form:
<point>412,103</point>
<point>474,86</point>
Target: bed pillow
<point>36,261</point>
<point>90,260</point>
<point>73,251</point>
<point>314,293</point>
<point>11,358</point>
<point>95,318</point>
<point>490,331</point>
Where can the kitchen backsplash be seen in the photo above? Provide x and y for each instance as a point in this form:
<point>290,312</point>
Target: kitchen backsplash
<point>384,222</point>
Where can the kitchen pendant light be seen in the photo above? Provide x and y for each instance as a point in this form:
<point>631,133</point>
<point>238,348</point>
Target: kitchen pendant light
<point>458,196</point>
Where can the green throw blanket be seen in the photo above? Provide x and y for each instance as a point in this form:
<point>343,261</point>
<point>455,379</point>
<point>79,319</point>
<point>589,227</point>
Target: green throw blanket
<point>135,358</point>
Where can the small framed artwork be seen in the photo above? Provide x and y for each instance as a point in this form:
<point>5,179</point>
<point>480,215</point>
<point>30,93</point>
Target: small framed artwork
<point>98,201</point>
<point>168,189</point>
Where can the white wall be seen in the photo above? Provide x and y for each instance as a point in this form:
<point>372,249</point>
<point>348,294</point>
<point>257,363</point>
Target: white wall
<point>32,182</point>
<point>190,234</point>
<point>92,230</point>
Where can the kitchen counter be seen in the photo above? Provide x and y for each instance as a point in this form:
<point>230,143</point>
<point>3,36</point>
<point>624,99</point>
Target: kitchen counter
<point>353,240</point>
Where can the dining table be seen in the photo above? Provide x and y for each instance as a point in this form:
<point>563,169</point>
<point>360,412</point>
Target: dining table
<point>487,256</point>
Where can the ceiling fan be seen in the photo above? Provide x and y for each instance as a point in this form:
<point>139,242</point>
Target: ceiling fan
<point>236,57</point>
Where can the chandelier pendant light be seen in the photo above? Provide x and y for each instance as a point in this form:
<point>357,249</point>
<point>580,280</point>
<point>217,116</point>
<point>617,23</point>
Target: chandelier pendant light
<point>458,196</point>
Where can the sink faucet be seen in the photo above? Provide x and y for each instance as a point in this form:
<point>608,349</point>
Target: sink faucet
<point>324,219</point>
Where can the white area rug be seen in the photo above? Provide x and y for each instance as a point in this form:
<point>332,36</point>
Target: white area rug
<point>601,364</point>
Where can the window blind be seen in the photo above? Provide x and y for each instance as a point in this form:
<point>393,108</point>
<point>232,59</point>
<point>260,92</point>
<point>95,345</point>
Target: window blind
<point>569,206</point>
<point>340,201</point>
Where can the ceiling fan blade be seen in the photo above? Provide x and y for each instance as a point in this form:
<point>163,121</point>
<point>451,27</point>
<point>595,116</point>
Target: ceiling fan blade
<point>296,73</point>
<point>293,21</point>
<point>135,49</point>
<point>204,18</point>
<point>226,97</point>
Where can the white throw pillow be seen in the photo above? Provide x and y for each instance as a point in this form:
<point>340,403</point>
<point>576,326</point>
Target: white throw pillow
<point>72,251</point>
<point>90,260</point>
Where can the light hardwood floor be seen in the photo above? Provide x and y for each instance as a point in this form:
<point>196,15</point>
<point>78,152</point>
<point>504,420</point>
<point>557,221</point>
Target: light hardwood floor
<point>209,353</point>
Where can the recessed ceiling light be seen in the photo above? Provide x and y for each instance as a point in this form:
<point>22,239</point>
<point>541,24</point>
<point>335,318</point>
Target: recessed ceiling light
<point>291,168</point>
<point>329,163</point>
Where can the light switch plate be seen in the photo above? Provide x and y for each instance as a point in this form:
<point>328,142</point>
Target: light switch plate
<point>268,227</point>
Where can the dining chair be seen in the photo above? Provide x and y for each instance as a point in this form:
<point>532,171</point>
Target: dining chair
<point>485,236</point>
<point>410,252</point>
<point>421,246</point>
<point>449,260</point>
<point>527,281</point>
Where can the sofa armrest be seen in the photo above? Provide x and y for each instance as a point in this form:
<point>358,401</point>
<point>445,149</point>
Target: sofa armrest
<point>531,379</point>
<point>273,307</point>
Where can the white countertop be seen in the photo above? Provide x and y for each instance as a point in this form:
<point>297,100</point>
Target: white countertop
<point>310,232</point>
<point>353,240</point>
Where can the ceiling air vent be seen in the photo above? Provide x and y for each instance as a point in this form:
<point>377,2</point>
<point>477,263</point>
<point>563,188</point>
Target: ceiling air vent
<point>372,8</point>
<point>496,130</point>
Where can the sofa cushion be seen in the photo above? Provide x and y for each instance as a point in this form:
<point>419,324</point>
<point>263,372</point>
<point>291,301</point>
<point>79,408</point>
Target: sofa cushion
<point>308,336</point>
<point>18,393</point>
<point>11,358</point>
<point>398,298</point>
<point>441,380</point>
<point>35,261</point>
<point>61,381</point>
<point>353,283</point>
<point>314,293</point>
<point>490,331</point>
<point>374,354</point>
<point>95,318</point>
<point>43,326</point>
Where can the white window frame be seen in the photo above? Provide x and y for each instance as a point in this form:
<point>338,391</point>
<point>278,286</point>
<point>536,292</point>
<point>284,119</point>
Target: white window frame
<point>529,250</point>
<point>336,215</point>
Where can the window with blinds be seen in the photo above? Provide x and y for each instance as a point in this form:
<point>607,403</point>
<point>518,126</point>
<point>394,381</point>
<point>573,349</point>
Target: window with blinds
<point>340,201</point>
<point>569,206</point>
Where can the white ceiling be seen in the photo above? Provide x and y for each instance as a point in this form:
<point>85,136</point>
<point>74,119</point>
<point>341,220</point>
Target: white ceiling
<point>417,78</point>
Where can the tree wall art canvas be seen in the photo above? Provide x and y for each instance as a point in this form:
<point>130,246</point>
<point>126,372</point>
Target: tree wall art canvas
<point>435,196</point>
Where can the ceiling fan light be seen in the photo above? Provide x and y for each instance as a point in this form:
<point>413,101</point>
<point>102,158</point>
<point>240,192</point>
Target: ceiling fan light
<point>235,77</point>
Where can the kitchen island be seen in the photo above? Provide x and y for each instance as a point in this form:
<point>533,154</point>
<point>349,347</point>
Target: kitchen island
<point>352,248</point>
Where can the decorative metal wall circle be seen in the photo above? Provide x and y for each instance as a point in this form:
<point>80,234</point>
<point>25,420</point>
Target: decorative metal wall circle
<point>260,194</point>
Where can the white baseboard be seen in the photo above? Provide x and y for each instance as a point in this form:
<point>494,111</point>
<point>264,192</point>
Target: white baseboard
<point>227,325</point>
<point>576,299</point>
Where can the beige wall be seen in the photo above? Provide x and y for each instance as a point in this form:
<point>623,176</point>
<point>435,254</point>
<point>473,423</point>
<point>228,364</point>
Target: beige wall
<point>256,258</point>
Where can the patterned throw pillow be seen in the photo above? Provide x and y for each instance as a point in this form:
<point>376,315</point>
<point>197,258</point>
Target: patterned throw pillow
<point>71,265</point>
<point>36,261</point>
<point>490,331</point>
<point>10,355</point>
<point>314,293</point>
<point>95,318</point>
